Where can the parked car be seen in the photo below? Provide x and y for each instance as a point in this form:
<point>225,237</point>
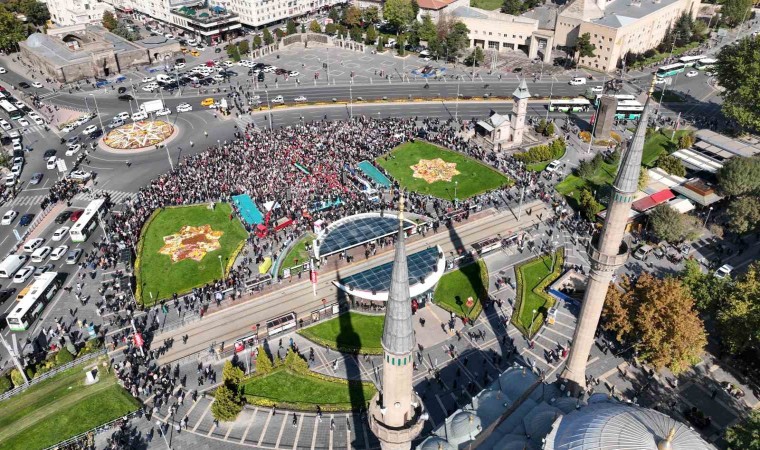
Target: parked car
<point>60,233</point>
<point>724,271</point>
<point>33,244</point>
<point>76,214</point>
<point>58,252</point>
<point>63,217</point>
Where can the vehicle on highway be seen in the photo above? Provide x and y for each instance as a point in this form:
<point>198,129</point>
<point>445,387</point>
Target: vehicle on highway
<point>43,269</point>
<point>11,264</point>
<point>293,73</point>
<point>60,234</point>
<point>299,99</point>
<point>2,70</point>
<point>724,271</point>
<point>73,256</point>
<point>5,125</point>
<point>139,115</point>
<point>148,79</point>
<point>553,166</point>
<point>63,217</point>
<point>122,116</point>
<point>76,214</point>
<point>41,253</point>
<point>89,129</point>
<point>115,123</point>
<point>87,222</point>
<point>26,219</point>
<point>278,99</point>
<point>577,81</point>
<point>5,294</point>
<point>58,252</point>
<point>163,112</point>
<point>73,149</point>
<point>33,244</point>
<point>126,97</point>
<point>184,107</point>
<point>8,217</point>
<point>50,163</point>
<point>24,85</point>
<point>29,306</point>
<point>207,101</point>
<point>36,178</point>
<point>80,175</point>
<point>23,122</point>
<point>37,84</point>
<point>691,74</point>
<point>23,274</point>
<point>50,152</point>
<point>72,140</point>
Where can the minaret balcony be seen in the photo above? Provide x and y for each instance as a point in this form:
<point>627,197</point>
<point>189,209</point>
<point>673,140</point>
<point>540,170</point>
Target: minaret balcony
<point>604,262</point>
<point>392,434</point>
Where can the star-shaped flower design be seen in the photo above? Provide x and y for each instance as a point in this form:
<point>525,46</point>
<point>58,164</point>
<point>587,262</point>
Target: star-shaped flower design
<point>191,242</point>
<point>432,170</point>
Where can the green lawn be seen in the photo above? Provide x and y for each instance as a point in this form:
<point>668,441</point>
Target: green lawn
<point>455,287</point>
<point>297,254</point>
<point>59,408</point>
<point>158,277</point>
<point>490,5</point>
<point>291,390</point>
<point>531,274</point>
<point>537,167</point>
<point>659,144</point>
<point>352,332</point>
<point>474,178</point>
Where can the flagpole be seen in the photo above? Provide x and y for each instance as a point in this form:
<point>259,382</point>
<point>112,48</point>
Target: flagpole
<point>313,277</point>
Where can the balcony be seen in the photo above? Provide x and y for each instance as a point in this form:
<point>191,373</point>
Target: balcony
<point>205,16</point>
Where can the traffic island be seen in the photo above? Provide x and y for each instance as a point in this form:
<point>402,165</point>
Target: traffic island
<point>138,137</point>
<point>350,333</point>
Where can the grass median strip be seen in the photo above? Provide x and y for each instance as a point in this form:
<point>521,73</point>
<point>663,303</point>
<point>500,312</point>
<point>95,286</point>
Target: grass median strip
<point>351,332</point>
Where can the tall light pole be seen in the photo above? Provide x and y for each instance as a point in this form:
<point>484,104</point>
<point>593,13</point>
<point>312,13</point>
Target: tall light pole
<point>530,331</point>
<point>708,216</point>
<point>456,183</point>
<point>456,108</point>
<point>163,435</point>
<point>100,119</point>
<point>86,105</point>
<point>269,109</point>
<point>221,267</point>
<point>551,91</point>
<point>350,102</point>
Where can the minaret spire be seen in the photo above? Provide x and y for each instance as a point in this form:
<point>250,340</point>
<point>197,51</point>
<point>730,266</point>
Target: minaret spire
<point>607,253</point>
<point>395,413</point>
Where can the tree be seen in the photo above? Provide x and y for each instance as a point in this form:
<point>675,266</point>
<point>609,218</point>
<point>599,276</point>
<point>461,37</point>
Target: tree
<point>513,7</point>
<point>671,165</point>
<point>5,384</point>
<point>685,141</point>
<point>381,44</point>
<point>739,313</point>
<point>427,29</point>
<point>643,178</point>
<point>457,39</point>
<point>36,12</point>
<point>257,41</point>
<point>331,28</point>
<point>352,17</point>
<point>290,27</point>
<point>371,15</point>
<point>583,47</point>
<point>334,15</point>
<point>589,205</point>
<point>243,47</point>
<point>657,317</point>
<point>63,356</point>
<point>476,57</point>
<point>398,13</point>
<point>109,21</point>
<point>738,72</point>
<point>356,34</point>
<point>295,362</point>
<point>232,375</point>
<point>227,404</point>
<point>746,434</point>
<point>739,176</point>
<point>744,214</point>
<point>233,53</point>
<point>415,9</point>
<point>668,224</point>
<point>263,363</point>
<point>315,27</point>
<point>401,42</point>
<point>706,290</point>
<point>122,31</point>
<point>735,12</point>
<point>268,38</point>
<point>13,30</point>
<point>371,35</point>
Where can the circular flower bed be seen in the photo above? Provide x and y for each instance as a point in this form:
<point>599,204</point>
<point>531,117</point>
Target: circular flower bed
<point>138,135</point>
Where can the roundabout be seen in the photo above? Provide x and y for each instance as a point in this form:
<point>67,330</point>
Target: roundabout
<point>139,136</point>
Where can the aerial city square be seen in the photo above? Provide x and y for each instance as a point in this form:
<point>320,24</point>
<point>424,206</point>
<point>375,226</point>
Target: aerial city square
<point>380,224</point>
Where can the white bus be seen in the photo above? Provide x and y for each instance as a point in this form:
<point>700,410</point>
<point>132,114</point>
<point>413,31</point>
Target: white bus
<point>689,61</point>
<point>87,222</point>
<point>12,111</point>
<point>706,63</point>
<point>670,70</point>
<point>30,306</point>
<point>573,104</point>
<point>629,109</point>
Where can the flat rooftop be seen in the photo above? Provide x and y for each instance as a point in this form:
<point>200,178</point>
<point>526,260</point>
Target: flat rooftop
<point>620,13</point>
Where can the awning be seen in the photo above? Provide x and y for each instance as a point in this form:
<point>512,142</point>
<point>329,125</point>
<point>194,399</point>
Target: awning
<point>682,205</point>
<point>265,266</point>
<point>485,125</point>
<point>653,200</point>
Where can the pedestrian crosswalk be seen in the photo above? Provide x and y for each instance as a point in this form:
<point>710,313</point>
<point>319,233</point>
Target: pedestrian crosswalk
<point>27,200</point>
<point>243,121</point>
<point>116,196</point>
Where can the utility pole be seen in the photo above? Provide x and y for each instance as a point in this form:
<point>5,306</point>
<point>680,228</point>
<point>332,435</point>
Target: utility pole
<point>14,357</point>
<point>456,108</point>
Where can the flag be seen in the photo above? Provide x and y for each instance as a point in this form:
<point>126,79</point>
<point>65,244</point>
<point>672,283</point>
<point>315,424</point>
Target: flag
<point>313,277</point>
<point>138,340</point>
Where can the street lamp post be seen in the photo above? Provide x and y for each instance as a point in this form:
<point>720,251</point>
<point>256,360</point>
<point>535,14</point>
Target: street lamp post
<point>350,102</point>
<point>551,91</point>
<point>100,119</point>
<point>456,183</point>
<point>708,216</point>
<point>530,331</point>
<point>221,267</point>
<point>86,105</point>
<point>269,108</point>
<point>163,435</point>
<point>456,108</point>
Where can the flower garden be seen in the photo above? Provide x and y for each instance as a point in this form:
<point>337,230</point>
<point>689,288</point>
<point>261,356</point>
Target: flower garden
<point>138,135</point>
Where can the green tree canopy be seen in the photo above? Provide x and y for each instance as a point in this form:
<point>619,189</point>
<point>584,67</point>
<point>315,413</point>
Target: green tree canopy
<point>583,46</point>
<point>735,12</point>
<point>331,28</point>
<point>744,214</point>
<point>669,225</point>
<point>476,57</point>
<point>352,17</point>
<point>356,34</point>
<point>257,41</point>
<point>415,9</point>
<point>457,39</point>
<point>268,38</point>
<point>740,176</point>
<point>746,434</point>
<point>738,72</point>
<point>315,27</point>
<point>671,165</point>
<point>371,15</point>
<point>109,21</point>
<point>13,30</point>
<point>398,13</point>
<point>334,14</point>
<point>371,35</point>
<point>427,30</point>
<point>243,47</point>
<point>232,375</point>
<point>263,363</point>
<point>589,205</point>
<point>739,313</point>
<point>227,404</point>
<point>658,317</point>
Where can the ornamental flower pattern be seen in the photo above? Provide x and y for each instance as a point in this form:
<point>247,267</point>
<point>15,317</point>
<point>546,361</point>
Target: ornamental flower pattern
<point>191,243</point>
<point>138,135</point>
<point>432,170</point>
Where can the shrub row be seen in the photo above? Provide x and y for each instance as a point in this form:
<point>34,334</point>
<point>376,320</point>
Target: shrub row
<point>559,259</point>
<point>543,152</point>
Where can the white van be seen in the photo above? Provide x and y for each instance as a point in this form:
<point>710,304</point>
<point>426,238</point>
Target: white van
<point>11,265</point>
<point>577,81</point>
<point>164,78</point>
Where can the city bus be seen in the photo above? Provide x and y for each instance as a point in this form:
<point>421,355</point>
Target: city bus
<point>573,104</point>
<point>706,63</point>
<point>670,70</point>
<point>12,111</point>
<point>689,61</point>
<point>30,306</point>
<point>87,222</point>
<point>628,109</point>
<point>619,97</point>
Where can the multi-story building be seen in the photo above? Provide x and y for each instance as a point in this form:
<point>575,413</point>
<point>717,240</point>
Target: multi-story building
<point>75,12</point>
<point>619,26</point>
